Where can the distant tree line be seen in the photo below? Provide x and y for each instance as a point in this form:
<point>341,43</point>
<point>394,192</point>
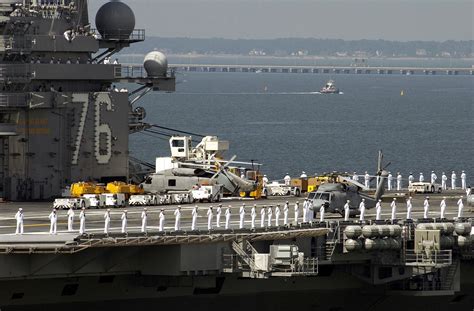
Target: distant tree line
<point>309,46</point>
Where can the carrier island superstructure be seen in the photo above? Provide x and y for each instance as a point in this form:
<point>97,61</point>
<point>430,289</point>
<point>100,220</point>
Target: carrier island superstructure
<point>60,118</point>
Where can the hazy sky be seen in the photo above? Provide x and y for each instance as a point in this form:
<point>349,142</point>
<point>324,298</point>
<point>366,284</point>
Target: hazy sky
<point>403,20</point>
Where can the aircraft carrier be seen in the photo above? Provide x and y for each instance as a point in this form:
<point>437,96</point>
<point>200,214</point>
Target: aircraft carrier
<point>62,120</point>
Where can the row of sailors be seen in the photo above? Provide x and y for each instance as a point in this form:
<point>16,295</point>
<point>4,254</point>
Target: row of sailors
<point>266,216</point>
<point>409,208</point>
<point>69,61</point>
<point>397,181</point>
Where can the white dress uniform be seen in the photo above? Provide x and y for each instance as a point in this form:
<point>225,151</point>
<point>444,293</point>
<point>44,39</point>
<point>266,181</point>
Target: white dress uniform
<point>453,180</point>
<point>468,191</point>
<point>433,177</point>
<point>177,219</point>
<point>399,182</point>
<point>305,211</point>
<point>262,217</point>
<point>241,217</point>
<point>355,177</point>
<point>269,216</point>
<point>194,214</point>
<point>218,216</point>
<point>442,208</point>
<point>310,211</point>
<point>162,221</point>
<point>53,218</point>
<point>19,221</point>
<point>367,180</point>
<point>124,222</point>
<point>410,179</point>
<point>426,208</point>
<point>144,221</point>
<point>393,205</point>
<point>422,178</point>
<point>265,180</point>
<point>362,210</point>
<point>409,208</point>
<point>277,216</point>
<point>210,215</point>
<point>322,211</point>
<point>253,215</point>
<point>463,180</point>
<point>106,222</point>
<point>82,222</point>
<point>285,214</point>
<point>390,181</point>
<point>287,180</point>
<point>297,211</point>
<point>444,181</point>
<point>378,210</point>
<point>227,218</point>
<point>346,211</point>
<point>460,207</point>
<point>70,219</point>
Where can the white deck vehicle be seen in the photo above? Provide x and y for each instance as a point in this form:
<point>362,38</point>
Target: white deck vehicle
<point>424,187</point>
<point>67,203</point>
<point>112,200</point>
<point>143,200</point>
<point>212,193</point>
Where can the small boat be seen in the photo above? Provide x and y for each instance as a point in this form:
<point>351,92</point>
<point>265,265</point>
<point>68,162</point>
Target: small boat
<point>330,88</point>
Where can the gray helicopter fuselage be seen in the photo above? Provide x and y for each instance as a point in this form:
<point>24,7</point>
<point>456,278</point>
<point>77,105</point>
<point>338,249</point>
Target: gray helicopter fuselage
<point>181,179</point>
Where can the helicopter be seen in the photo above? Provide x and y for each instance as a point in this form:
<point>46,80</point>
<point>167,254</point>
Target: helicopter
<point>335,194</point>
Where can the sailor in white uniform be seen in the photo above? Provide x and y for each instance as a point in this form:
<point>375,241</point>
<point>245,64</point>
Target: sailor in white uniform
<point>460,207</point>
<point>433,177</point>
<point>269,216</point>
<point>144,220</point>
<point>277,215</point>
<point>53,218</point>
<point>410,179</point>
<point>378,210</point>
<point>19,221</point>
<point>287,179</point>
<point>409,208</point>
<point>297,211</point>
<point>253,215</point>
<point>347,211</point>
<point>442,208</point>
<point>310,217</point>
<point>285,213</point>
<point>210,215</point>
<point>463,180</point>
<point>242,216</point>
<point>194,214</point>
<point>390,180</point>
<point>70,219</point>
<point>393,205</point>
<point>162,220</point>
<point>265,180</point>
<point>468,191</point>
<point>82,221</point>
<point>399,181</point>
<point>305,211</point>
<point>362,210</point>
<point>453,180</point>
<point>124,221</point>
<point>218,215</point>
<point>367,179</point>
<point>421,178</point>
<point>322,211</point>
<point>263,213</point>
<point>107,221</point>
<point>426,208</point>
<point>355,177</point>
<point>444,181</point>
<point>177,218</point>
<point>228,214</point>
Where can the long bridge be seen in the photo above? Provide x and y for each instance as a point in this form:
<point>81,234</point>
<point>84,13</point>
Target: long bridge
<point>323,69</point>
